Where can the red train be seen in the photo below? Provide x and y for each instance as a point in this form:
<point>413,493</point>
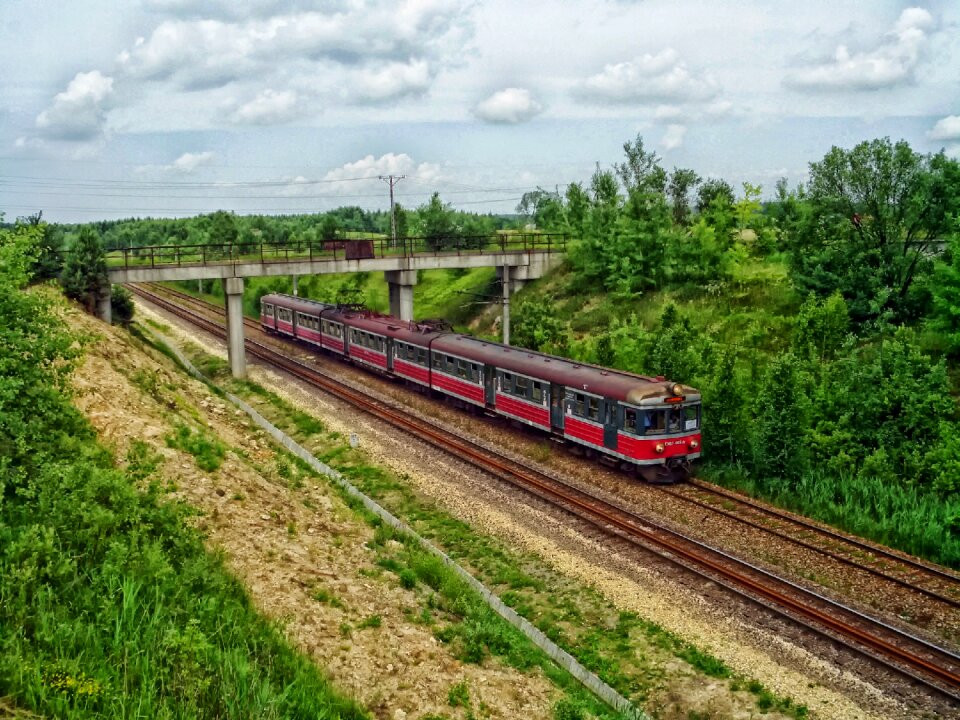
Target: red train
<point>647,424</point>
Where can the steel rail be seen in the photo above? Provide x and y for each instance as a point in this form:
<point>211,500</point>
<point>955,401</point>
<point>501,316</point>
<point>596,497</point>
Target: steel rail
<point>674,546</point>
<point>878,550</point>
<point>817,549</point>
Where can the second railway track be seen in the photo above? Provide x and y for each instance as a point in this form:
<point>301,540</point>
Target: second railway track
<point>915,658</point>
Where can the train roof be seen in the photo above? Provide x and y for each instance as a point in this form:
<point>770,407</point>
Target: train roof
<point>626,387</point>
<point>622,386</point>
<point>304,305</point>
<point>411,332</point>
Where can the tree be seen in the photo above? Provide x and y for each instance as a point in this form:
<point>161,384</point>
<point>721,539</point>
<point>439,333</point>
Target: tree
<point>121,305</point>
<point>779,447</point>
<point>329,228</point>
<point>712,191</point>
<point>578,206</point>
<point>945,312</point>
<point>875,210</point>
<point>682,181</point>
<point>402,219</point>
<point>223,228</point>
<point>85,271</point>
<point>724,409</point>
<point>437,224</point>
<point>641,170</point>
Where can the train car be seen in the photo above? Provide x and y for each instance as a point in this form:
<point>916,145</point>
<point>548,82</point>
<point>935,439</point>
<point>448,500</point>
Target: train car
<point>645,423</point>
<point>648,423</point>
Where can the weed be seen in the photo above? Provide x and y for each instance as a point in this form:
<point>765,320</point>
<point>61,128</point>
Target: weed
<point>373,621</point>
<point>408,579</point>
<point>322,595</point>
<point>208,451</point>
<point>459,695</point>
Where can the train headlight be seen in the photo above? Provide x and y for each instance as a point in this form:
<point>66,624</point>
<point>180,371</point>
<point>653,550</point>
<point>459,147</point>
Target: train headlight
<point>694,445</point>
<point>659,447</point>
<point>677,389</point>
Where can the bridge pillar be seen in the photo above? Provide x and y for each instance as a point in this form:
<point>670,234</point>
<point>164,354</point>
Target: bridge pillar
<point>233,289</point>
<point>400,285</point>
<point>104,311</point>
<point>506,284</point>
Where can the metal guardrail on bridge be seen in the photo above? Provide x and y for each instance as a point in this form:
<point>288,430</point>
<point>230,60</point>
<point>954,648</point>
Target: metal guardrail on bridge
<point>159,256</point>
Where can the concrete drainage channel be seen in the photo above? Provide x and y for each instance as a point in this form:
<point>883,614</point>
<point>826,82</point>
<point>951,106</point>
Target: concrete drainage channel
<point>560,656</point>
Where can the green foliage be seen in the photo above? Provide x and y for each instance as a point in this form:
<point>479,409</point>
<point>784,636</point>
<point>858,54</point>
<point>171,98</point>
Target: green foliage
<point>724,420</point>
<point>780,422</point>
<point>208,451</point>
<point>881,411</point>
<point>822,327</point>
<point>121,305</point>
<point>437,223</point>
<point>945,312</point>
<point>459,695</point>
<point>223,228</point>
<point>534,325</point>
<point>85,271</point>
<point>873,211</point>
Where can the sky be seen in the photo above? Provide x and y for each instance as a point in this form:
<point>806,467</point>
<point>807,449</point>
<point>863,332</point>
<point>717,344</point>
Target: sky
<point>171,108</point>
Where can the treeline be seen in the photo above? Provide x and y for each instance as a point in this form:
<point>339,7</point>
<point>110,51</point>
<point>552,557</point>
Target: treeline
<point>434,219</point>
<point>838,402</point>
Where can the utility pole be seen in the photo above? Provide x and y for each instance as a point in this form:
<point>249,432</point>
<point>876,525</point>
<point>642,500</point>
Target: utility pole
<point>392,180</point>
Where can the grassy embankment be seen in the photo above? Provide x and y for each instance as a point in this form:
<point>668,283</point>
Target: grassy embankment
<point>626,651</point>
<point>109,604</point>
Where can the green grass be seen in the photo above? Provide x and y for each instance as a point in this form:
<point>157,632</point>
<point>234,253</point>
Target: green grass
<point>206,449</point>
<point>111,607</point>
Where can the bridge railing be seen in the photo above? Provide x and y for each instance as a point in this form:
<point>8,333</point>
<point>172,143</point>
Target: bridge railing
<point>153,256</point>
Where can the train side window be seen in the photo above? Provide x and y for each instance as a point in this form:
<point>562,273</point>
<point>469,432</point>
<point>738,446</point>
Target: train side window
<point>381,346</point>
<point>630,420</point>
<point>675,420</point>
<point>422,356</point>
<point>593,409</point>
<point>537,394</point>
<point>462,369</point>
<point>691,417</point>
<point>522,383</point>
<point>579,408</point>
<point>476,372</point>
<point>437,361</point>
<point>507,384</point>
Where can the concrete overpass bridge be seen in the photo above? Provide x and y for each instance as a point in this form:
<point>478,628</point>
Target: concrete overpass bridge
<point>518,257</point>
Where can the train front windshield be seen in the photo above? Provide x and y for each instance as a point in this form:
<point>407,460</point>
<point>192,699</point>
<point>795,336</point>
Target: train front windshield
<point>666,421</point>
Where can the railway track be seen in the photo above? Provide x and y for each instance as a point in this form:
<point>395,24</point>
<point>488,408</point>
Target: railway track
<point>912,657</point>
<point>893,567</point>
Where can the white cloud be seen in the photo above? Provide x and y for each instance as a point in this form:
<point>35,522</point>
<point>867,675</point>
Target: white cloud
<point>649,78</point>
<point>892,62</point>
<point>393,81</point>
<point>947,128</point>
<point>414,38</point>
<point>673,137</point>
<point>78,113</point>
<point>509,106</point>
<point>269,107</point>
<point>189,162</point>
<point>371,168</point>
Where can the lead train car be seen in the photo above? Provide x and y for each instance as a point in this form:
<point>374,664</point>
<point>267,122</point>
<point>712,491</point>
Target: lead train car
<point>647,423</point>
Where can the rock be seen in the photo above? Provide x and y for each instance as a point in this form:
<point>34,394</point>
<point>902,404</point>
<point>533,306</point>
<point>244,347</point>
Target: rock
<point>221,492</point>
<point>399,714</point>
<point>264,517</point>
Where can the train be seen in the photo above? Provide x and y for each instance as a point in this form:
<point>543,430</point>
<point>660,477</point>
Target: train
<point>646,425</point>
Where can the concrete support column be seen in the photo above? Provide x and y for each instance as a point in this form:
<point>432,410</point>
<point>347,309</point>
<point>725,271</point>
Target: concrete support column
<point>400,285</point>
<point>233,289</point>
<point>104,311</point>
<point>293,279</point>
<point>505,281</point>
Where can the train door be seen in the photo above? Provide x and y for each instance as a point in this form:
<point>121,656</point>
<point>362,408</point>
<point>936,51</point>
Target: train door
<point>389,346</point>
<point>556,406</point>
<point>610,424</point>
<point>489,384</point>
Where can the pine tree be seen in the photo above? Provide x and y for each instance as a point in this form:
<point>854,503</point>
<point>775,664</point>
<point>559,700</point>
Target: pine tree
<point>85,276</point>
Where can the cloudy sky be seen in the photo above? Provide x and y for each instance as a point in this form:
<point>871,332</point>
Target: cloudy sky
<point>174,107</point>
